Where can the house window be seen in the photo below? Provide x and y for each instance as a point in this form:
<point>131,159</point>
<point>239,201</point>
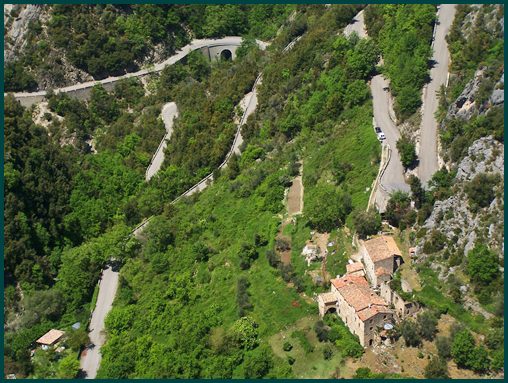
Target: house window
<point>370,328</point>
<point>370,342</point>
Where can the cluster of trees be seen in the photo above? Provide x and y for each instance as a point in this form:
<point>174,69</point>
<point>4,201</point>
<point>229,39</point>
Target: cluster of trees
<point>407,152</point>
<point>333,330</point>
<point>482,266</point>
<point>424,327</point>
<point>105,40</point>
<point>38,185</point>
<point>404,34</point>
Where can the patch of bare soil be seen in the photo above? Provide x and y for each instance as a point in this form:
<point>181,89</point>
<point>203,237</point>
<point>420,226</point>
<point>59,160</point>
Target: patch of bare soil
<point>407,361</point>
<point>285,255</point>
<point>295,197</point>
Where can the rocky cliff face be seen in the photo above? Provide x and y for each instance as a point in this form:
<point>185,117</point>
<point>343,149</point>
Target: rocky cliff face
<point>17,18</point>
<point>457,223</point>
<point>467,104</point>
<point>455,218</point>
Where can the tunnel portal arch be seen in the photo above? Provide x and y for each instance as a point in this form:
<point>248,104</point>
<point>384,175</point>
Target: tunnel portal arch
<point>226,55</point>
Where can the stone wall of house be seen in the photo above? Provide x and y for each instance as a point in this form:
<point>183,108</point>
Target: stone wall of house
<point>370,270</point>
<point>371,267</point>
<point>402,308</point>
<point>372,324</point>
<point>348,315</point>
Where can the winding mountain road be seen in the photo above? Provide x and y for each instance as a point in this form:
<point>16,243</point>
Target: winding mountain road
<point>29,98</point>
<point>169,113</point>
<point>91,356</point>
<point>428,154</point>
<point>357,25</point>
<point>393,176</point>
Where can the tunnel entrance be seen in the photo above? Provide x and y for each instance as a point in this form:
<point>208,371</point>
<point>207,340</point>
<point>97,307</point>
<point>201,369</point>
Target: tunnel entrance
<point>226,55</point>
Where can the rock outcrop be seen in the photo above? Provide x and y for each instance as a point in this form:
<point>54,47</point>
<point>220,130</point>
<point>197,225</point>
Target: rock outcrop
<point>454,218</point>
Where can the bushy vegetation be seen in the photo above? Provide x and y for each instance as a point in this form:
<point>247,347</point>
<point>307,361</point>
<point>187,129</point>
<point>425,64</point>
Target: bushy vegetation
<point>474,46</point>
<point>105,39</point>
<point>366,222</point>
<point>404,34</point>
<point>398,210</point>
<point>481,190</point>
<point>406,149</point>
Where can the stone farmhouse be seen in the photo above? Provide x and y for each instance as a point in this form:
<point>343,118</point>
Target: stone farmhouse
<point>401,307</point>
<point>357,303</point>
<point>359,307</point>
<point>381,257</point>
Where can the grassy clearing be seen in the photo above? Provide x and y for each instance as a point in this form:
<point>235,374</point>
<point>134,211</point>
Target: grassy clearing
<point>307,365</point>
<point>336,262</point>
<point>351,141</point>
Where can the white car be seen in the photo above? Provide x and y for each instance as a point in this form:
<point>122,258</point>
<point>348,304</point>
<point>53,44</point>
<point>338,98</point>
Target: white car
<point>380,135</point>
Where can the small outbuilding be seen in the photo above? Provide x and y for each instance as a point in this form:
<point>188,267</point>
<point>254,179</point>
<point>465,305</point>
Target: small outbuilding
<point>50,338</point>
<point>76,326</point>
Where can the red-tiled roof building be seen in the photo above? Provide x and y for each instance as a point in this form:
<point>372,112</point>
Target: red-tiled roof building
<point>381,257</point>
<point>359,307</point>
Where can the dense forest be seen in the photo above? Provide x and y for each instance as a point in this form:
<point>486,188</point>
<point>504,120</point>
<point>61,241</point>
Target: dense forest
<point>203,292</point>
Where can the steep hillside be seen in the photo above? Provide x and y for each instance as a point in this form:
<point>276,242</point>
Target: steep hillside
<point>50,46</point>
<point>216,284</point>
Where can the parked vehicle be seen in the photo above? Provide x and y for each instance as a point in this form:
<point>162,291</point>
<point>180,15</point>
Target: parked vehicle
<point>380,135</point>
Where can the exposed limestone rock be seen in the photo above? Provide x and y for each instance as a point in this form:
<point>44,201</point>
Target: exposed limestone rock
<point>15,34</point>
<point>453,216</point>
<point>464,106</point>
<point>485,155</point>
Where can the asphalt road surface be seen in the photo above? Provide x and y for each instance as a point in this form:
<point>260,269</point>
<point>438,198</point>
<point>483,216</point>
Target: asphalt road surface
<point>393,176</point>
<point>91,359</point>
<point>195,44</point>
<point>357,25</point>
<point>169,113</point>
<point>428,154</point>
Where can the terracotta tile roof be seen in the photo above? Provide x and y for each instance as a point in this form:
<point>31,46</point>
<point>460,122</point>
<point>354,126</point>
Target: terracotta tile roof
<point>369,312</point>
<point>352,267</point>
<point>390,242</point>
<point>356,292</point>
<point>382,271</point>
<point>350,280</point>
<point>50,337</point>
<point>328,297</point>
<point>381,248</point>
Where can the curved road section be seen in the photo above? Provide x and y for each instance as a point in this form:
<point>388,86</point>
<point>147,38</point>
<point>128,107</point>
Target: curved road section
<point>428,154</point>
<point>169,113</point>
<point>392,177</point>
<point>29,98</point>
<point>91,356</point>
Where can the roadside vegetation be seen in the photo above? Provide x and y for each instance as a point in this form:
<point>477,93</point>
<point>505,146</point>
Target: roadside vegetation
<point>404,34</point>
<point>204,293</point>
<point>108,40</point>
